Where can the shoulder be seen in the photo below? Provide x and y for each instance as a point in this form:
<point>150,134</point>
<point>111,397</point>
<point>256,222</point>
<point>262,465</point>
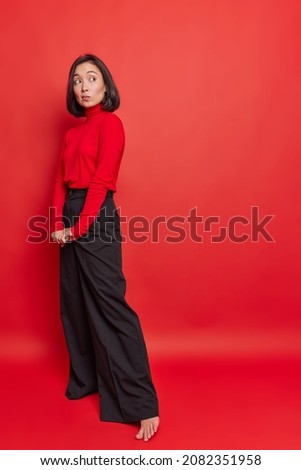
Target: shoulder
<point>74,129</point>
<point>111,122</point>
<point>112,119</point>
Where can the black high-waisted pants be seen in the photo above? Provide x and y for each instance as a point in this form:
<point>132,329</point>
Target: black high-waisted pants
<point>103,333</point>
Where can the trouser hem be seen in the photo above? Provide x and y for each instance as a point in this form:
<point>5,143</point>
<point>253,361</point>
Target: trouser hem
<point>133,420</point>
<point>80,396</point>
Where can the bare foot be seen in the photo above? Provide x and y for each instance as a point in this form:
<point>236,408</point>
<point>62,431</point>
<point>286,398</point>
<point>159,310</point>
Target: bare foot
<point>148,428</point>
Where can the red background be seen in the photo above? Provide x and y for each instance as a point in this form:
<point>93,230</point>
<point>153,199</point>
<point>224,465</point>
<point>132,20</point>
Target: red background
<point>210,96</point>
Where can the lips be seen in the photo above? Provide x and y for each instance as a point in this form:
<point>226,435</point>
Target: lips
<point>85,97</point>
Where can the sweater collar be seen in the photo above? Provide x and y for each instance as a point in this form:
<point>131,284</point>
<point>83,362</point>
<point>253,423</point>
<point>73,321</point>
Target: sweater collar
<point>93,111</point>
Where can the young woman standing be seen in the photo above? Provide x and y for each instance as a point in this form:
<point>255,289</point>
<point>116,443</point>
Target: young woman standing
<point>103,333</point>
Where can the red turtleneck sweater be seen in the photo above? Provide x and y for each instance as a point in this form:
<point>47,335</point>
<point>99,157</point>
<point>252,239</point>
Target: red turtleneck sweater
<point>90,158</point>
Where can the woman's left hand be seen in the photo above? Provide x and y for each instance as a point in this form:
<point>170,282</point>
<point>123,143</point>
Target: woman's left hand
<point>62,236</point>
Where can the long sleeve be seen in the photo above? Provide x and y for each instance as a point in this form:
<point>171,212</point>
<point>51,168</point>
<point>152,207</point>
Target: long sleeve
<point>59,194</point>
<point>109,156</point>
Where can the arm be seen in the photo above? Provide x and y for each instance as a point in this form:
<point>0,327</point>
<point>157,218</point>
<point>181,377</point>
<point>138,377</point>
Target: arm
<point>59,194</point>
<point>110,152</point>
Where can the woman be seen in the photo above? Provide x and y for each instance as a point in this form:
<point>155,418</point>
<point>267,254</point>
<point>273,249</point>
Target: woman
<point>103,333</point>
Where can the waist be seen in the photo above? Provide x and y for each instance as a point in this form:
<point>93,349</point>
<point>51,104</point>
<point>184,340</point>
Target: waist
<point>81,192</point>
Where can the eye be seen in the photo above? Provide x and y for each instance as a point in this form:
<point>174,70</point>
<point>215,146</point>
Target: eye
<point>75,82</point>
<point>92,79</point>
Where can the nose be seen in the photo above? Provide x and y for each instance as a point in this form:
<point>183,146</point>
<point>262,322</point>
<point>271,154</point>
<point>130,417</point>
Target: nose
<point>84,86</point>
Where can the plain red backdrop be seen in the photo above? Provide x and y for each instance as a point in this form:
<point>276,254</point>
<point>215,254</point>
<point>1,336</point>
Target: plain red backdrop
<point>210,101</point>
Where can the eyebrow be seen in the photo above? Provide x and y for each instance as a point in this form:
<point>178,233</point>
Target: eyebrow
<point>89,71</point>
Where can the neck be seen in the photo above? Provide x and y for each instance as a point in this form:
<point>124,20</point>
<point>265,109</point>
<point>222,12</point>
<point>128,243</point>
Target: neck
<point>93,111</point>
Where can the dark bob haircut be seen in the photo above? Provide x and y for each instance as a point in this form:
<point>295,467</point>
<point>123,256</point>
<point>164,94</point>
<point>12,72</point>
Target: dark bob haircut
<point>111,99</point>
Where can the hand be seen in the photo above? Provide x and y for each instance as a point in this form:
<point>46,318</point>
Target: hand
<point>62,236</point>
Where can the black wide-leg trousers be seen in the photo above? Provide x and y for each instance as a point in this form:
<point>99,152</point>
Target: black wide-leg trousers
<point>105,342</point>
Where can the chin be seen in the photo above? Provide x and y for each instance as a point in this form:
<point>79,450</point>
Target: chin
<point>89,105</point>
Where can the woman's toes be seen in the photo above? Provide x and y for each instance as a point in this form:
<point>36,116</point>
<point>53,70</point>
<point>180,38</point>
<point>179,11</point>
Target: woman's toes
<point>148,428</point>
<point>139,434</point>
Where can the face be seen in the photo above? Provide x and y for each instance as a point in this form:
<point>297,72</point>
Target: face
<point>88,85</point>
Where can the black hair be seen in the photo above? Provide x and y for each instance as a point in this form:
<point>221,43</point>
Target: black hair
<point>111,99</point>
